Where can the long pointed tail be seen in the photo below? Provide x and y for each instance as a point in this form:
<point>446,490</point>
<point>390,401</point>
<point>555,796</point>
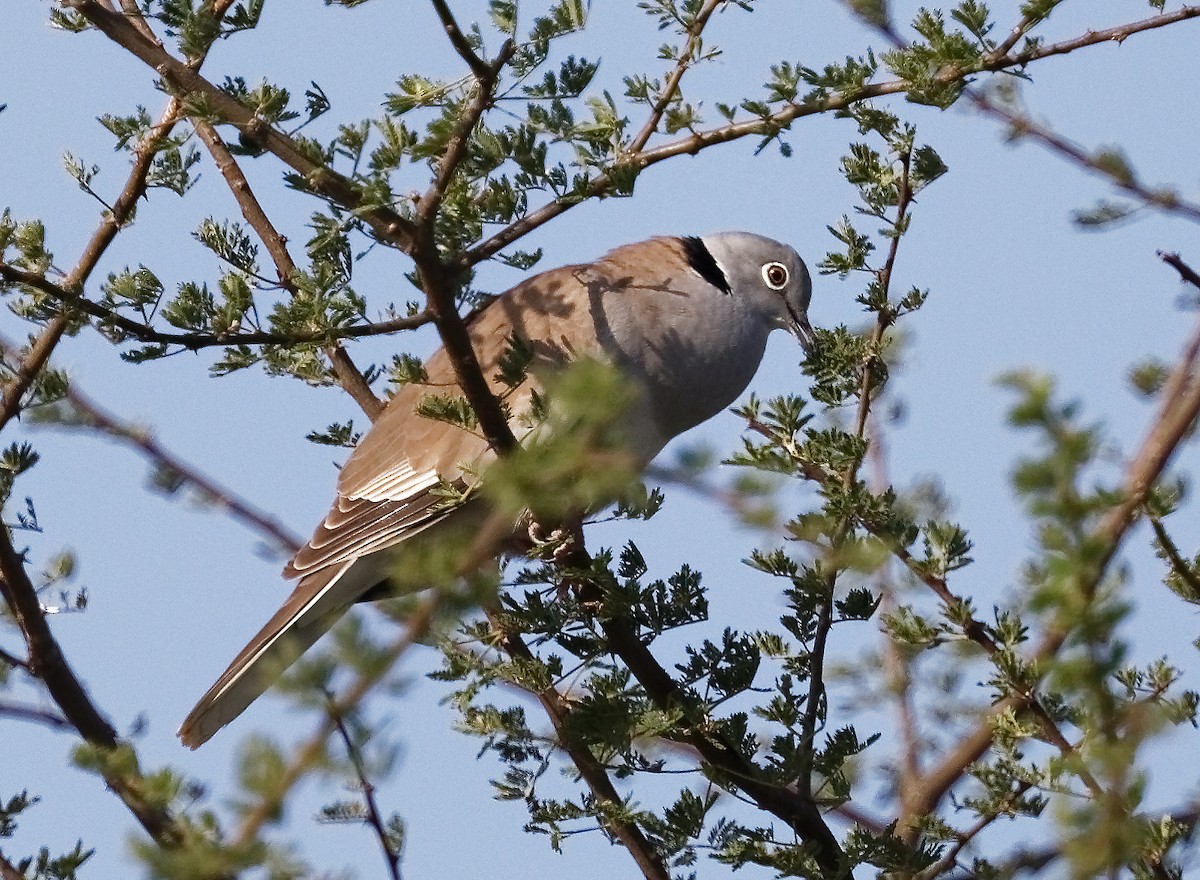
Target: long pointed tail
<point>316,604</point>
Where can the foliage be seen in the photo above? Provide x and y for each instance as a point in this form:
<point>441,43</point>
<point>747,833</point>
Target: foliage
<point>683,740</point>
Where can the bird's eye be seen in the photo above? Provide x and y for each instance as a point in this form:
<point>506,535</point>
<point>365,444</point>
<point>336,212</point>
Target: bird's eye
<point>776,275</point>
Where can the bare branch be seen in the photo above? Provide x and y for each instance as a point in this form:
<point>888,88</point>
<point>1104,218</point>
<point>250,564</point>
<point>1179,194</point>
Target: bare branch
<point>13,660</point>
<point>1186,272</point>
<point>458,40</point>
<point>47,663</point>
<point>219,496</point>
<point>31,713</point>
<point>1117,175</point>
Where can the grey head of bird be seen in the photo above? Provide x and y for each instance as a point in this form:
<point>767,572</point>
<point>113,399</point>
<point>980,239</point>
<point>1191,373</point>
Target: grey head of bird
<point>768,276</point>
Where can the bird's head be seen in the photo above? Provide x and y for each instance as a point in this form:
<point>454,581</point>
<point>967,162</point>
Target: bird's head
<point>769,276</point>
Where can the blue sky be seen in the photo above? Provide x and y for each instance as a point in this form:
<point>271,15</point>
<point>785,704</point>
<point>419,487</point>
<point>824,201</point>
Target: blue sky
<point>176,590</point>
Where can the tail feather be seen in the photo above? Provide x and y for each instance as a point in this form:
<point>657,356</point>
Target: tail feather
<point>318,601</point>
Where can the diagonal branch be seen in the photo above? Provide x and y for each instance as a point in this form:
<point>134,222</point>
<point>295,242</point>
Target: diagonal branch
<point>47,663</point>
<point>670,89</point>
<point>95,416</point>
<point>439,281</point>
<point>589,767</point>
<point>1118,175</point>
<point>38,716</point>
<point>458,40</point>
<point>389,225</point>
<point>32,366</point>
<point>1178,412</point>
<point>348,375</point>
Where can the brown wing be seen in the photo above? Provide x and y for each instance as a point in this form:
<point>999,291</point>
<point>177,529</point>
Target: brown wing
<point>385,492</point>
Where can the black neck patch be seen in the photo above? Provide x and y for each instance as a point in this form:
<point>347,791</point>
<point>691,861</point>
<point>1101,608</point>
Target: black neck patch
<point>699,258</point>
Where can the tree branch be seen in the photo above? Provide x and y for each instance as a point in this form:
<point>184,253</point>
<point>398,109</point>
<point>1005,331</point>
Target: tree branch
<point>391,855</point>
<point>348,375</point>
<point>458,40</point>
<point>1119,176</point>
<point>696,141</point>
<point>47,663</point>
<point>670,88</point>
<point>439,280</point>
<point>31,713</point>
<point>95,416</point>
<point>31,366</point>
<point>197,341</point>
<point>590,769</point>
<point>390,226</point>
<point>1177,414</point>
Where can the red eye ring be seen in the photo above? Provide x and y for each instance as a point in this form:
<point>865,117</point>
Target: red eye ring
<point>775,275</point>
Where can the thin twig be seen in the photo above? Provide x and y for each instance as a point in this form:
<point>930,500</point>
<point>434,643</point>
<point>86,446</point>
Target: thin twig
<point>39,716</point>
<point>458,40</point>
<point>213,492</point>
<point>197,341</point>
<point>671,87</point>
<point>391,855</point>
<point>1186,272</point>
<point>13,660</point>
<point>348,375</point>
<point>1118,176</point>
<point>1179,565</point>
